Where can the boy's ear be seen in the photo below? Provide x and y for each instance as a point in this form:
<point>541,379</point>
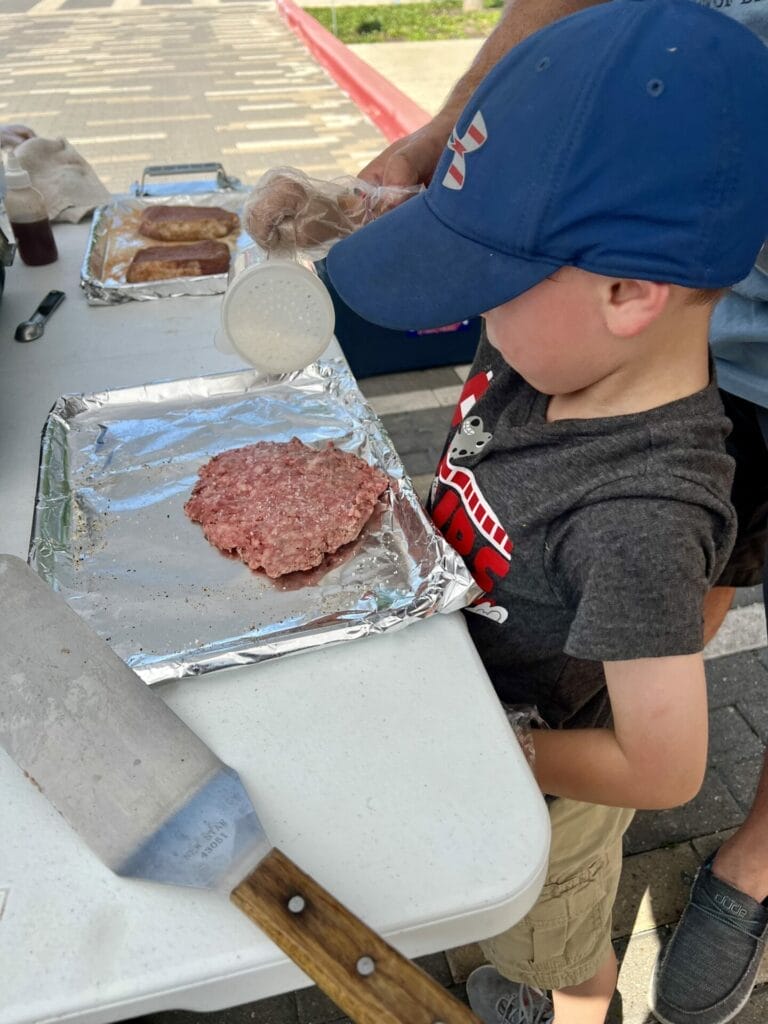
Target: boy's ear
<point>631,305</point>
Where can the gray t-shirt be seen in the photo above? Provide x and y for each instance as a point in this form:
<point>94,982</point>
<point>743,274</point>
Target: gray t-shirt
<point>592,539</point>
<point>739,332</point>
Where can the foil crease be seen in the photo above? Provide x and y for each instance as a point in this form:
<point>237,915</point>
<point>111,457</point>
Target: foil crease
<point>114,238</point>
<point>110,533</point>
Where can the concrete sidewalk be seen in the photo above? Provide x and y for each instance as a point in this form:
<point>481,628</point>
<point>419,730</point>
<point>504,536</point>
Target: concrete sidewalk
<point>426,72</point>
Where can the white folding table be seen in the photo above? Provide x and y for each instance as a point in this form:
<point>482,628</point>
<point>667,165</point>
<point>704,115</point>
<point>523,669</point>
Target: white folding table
<point>384,766</point>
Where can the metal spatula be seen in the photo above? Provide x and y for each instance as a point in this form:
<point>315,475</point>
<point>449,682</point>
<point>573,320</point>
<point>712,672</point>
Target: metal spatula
<point>149,797</point>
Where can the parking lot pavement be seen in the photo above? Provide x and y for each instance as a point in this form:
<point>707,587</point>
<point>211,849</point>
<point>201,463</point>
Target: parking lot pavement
<point>135,82</point>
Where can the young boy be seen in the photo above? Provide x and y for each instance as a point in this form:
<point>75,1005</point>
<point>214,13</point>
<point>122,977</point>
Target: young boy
<point>606,179</point>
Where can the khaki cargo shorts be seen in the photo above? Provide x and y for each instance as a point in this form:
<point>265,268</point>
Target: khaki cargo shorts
<point>567,934</point>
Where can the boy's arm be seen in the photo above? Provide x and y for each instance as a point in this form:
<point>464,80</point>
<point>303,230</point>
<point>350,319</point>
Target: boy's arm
<point>655,754</point>
<point>412,160</point>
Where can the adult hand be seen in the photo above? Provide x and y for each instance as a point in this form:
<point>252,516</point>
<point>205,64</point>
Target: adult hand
<point>14,134</point>
<point>289,212</point>
<point>411,160</point>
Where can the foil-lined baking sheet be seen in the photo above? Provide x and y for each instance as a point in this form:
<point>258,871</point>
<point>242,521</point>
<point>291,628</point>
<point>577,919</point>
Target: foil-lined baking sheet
<point>110,532</point>
<point>114,239</point>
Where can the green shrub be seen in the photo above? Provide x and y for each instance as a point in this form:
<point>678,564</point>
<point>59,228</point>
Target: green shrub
<point>439,19</point>
<point>369,25</point>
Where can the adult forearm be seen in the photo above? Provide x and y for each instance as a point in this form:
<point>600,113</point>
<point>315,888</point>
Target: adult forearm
<point>412,160</point>
<point>590,765</point>
<point>520,19</point>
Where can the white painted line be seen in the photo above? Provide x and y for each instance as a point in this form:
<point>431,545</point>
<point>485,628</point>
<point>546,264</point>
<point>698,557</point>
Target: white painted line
<point>128,99</point>
<point>448,395</point>
<point>39,71</point>
<point>280,86</point>
<point>268,106</point>
<point>263,126</point>
<point>95,140</point>
<point>409,401</point>
<point>149,120</point>
<point>90,90</point>
<point>291,144</point>
<point>124,158</point>
<point>46,7</point>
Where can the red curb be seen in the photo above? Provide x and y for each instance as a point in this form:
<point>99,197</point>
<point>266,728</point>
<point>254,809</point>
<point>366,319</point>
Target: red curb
<point>393,113</point>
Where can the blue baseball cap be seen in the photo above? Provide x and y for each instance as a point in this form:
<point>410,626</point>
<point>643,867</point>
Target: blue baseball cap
<point>630,140</point>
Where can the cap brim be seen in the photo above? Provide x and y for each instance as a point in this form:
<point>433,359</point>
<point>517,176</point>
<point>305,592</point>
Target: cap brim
<point>409,271</point>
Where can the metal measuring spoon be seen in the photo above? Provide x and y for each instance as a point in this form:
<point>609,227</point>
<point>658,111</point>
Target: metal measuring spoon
<point>32,329</point>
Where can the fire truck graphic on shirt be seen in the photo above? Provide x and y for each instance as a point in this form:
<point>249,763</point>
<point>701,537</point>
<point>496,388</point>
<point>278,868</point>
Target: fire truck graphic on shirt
<point>461,511</point>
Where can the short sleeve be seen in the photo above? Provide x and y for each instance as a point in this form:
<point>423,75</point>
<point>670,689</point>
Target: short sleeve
<point>634,572</point>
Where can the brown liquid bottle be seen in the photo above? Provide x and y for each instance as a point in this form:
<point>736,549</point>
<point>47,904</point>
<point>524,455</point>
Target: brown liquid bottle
<point>28,216</point>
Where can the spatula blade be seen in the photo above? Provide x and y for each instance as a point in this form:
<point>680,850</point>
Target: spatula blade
<point>143,791</point>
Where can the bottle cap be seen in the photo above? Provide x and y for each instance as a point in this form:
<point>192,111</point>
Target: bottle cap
<point>277,316</point>
<point>15,175</point>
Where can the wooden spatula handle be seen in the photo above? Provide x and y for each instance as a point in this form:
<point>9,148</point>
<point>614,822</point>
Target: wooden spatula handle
<point>369,980</point>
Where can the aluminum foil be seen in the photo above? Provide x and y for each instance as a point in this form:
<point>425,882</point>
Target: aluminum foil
<point>110,532</point>
<point>114,238</point>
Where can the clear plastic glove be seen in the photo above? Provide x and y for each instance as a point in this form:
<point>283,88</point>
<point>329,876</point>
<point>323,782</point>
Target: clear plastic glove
<point>523,718</point>
<point>12,135</point>
<point>290,214</point>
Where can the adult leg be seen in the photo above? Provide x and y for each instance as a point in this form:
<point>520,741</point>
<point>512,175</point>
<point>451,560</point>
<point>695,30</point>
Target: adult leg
<point>716,605</point>
<point>742,860</point>
<point>708,970</point>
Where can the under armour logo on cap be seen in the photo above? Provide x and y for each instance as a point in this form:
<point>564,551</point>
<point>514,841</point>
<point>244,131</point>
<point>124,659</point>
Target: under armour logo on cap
<point>472,139</point>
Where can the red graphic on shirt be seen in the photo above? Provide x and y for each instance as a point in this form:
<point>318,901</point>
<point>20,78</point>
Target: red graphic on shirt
<point>484,519</point>
<point>473,390</point>
<point>463,514</point>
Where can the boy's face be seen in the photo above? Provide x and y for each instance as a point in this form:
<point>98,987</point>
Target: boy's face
<point>554,334</point>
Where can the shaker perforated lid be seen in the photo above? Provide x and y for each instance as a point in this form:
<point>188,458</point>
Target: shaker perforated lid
<point>278,316</point>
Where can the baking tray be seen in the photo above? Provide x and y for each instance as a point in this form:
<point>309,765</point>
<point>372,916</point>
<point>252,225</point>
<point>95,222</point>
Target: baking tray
<point>110,533</point>
<point>113,238</point>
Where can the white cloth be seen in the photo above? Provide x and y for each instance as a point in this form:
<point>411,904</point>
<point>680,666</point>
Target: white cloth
<point>69,184</point>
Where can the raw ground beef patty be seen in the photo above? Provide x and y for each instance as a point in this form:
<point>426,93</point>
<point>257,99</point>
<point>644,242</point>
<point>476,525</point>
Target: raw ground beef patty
<point>282,506</point>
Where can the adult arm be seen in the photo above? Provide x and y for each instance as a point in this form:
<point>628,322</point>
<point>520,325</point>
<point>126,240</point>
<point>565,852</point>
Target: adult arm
<point>412,160</point>
<point>655,754</point>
